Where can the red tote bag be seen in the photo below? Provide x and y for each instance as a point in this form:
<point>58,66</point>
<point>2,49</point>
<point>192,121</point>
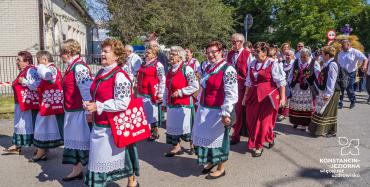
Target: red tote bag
<point>131,125</point>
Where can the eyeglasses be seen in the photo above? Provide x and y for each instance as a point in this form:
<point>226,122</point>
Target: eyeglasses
<point>300,46</point>
<point>212,52</point>
<point>235,41</point>
<point>173,54</point>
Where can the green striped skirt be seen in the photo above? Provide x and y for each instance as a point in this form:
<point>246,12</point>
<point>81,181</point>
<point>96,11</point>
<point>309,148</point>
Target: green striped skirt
<point>214,155</point>
<point>175,139</point>
<point>322,124</point>
<point>98,179</point>
<point>75,156</point>
<point>22,139</point>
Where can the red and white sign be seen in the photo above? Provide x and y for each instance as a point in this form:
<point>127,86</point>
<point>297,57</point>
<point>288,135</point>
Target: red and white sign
<point>330,42</point>
<point>331,34</point>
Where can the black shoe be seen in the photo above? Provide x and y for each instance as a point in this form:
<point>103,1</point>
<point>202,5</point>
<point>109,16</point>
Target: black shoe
<point>295,126</point>
<point>77,177</point>
<point>41,158</point>
<point>153,138</point>
<point>191,151</point>
<point>205,170</point>
<point>330,135</point>
<point>172,154</point>
<point>340,105</point>
<point>271,144</point>
<point>255,154</point>
<point>216,177</point>
<point>234,142</point>
<point>352,105</point>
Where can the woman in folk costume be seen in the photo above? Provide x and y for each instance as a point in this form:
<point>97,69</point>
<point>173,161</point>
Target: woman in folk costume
<point>324,120</point>
<point>190,60</point>
<point>76,90</point>
<point>287,64</point>
<point>215,111</point>
<point>301,78</point>
<point>181,83</point>
<point>151,83</point>
<point>111,91</point>
<point>25,103</point>
<point>48,132</point>
<point>264,94</point>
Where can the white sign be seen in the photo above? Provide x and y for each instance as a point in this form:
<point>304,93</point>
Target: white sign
<point>331,34</point>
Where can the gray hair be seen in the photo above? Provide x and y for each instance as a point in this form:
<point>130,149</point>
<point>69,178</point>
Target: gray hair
<point>44,54</point>
<point>129,48</point>
<point>305,51</point>
<point>238,36</point>
<point>290,52</point>
<point>180,51</point>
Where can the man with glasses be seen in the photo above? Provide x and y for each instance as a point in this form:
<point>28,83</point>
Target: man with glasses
<point>300,46</point>
<point>238,58</point>
<point>349,59</point>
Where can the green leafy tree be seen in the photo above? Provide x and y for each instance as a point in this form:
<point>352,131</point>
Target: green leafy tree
<point>177,22</point>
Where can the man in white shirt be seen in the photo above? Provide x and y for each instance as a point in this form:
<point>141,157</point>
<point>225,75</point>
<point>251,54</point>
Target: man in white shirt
<point>133,60</point>
<point>349,59</point>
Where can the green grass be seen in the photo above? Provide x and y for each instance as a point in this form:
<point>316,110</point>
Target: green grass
<point>6,106</point>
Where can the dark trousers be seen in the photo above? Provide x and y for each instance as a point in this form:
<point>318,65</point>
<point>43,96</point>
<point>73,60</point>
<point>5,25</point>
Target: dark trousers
<point>350,89</point>
<point>368,84</point>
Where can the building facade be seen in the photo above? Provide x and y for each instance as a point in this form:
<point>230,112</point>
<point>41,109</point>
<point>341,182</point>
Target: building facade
<point>44,24</point>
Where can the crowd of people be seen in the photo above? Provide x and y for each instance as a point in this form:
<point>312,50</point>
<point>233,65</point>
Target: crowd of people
<point>207,104</point>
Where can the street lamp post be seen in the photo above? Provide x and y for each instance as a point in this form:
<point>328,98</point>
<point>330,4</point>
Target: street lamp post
<point>248,22</point>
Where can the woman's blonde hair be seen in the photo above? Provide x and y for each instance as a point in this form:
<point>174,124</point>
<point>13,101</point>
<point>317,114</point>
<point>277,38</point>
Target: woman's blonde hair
<point>154,49</point>
<point>71,46</point>
<point>117,48</point>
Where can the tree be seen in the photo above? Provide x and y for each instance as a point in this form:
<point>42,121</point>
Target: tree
<point>185,23</point>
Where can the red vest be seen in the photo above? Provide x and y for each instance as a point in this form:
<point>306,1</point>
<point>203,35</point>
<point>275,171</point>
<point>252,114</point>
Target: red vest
<point>26,98</point>
<point>102,89</point>
<point>148,81</point>
<point>241,65</point>
<point>72,95</point>
<point>264,86</point>
<point>176,81</point>
<point>51,96</point>
<point>213,95</point>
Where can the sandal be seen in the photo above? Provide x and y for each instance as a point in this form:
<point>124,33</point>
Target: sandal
<point>12,151</point>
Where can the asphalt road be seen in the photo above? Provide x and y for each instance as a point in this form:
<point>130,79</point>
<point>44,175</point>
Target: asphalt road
<point>294,161</point>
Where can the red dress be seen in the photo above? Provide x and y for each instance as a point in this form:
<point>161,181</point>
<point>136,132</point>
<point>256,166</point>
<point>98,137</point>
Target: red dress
<point>261,113</point>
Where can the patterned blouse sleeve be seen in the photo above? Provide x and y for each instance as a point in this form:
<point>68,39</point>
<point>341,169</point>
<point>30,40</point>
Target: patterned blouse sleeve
<point>193,84</point>
<point>122,96</point>
<point>332,78</point>
<point>231,91</point>
<point>162,79</point>
<point>32,80</point>
<point>48,73</point>
<point>84,81</point>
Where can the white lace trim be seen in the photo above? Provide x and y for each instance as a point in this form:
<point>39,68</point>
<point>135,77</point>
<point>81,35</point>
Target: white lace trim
<point>75,144</point>
<point>107,167</point>
<point>178,130</point>
<point>205,142</point>
<point>301,99</point>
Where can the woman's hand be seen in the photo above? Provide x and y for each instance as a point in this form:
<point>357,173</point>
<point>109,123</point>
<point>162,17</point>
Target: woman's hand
<point>20,80</point>
<point>175,94</point>
<point>90,107</point>
<point>244,100</point>
<point>226,120</point>
<point>326,98</point>
<point>282,101</point>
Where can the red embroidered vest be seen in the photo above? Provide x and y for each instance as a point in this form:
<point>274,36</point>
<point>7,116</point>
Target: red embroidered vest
<point>26,98</point>
<point>213,95</point>
<point>72,95</point>
<point>102,89</point>
<point>148,81</point>
<point>264,85</point>
<point>176,81</point>
<point>51,95</point>
<point>241,65</point>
